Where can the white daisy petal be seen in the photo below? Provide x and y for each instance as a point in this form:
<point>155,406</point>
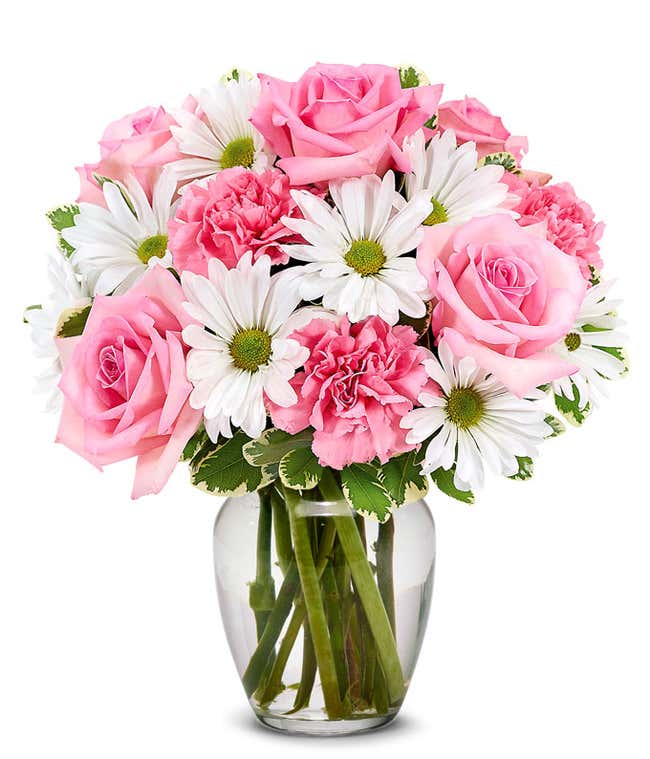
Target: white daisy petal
<point>221,123</point>
<point>476,423</point>
<point>245,355</point>
<point>68,291</point>
<point>353,252</point>
<point>114,246</point>
<point>595,329</point>
<point>449,175</point>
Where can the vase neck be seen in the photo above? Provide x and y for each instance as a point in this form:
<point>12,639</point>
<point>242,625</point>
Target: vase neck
<point>312,508</point>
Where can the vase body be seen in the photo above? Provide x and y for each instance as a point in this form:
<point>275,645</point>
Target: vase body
<point>324,611</point>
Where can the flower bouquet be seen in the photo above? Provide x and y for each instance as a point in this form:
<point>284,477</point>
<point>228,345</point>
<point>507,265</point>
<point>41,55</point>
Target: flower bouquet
<point>323,296</point>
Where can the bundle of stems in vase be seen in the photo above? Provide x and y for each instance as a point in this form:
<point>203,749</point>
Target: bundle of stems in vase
<point>333,595</point>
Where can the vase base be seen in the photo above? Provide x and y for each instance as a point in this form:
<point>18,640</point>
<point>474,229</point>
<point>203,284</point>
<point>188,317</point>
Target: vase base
<point>323,727</point>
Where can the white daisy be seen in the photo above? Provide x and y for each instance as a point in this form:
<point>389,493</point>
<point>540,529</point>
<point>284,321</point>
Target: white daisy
<point>355,252</point>
<point>458,190</point>
<point>475,422</point>
<point>246,353</point>
<point>220,135</point>
<point>115,246</point>
<point>594,345</point>
<point>68,292</point>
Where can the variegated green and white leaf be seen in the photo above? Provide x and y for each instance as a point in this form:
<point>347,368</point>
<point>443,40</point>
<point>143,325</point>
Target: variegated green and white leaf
<point>194,444</point>
<point>409,77</point>
<point>272,445</point>
<point>444,479</point>
<point>224,471</point>
<point>570,408</point>
<point>72,321</point>
<point>555,424</point>
<point>364,491</point>
<point>300,470</point>
<point>401,478</point>
<point>503,158</point>
<point>525,468</point>
<point>61,218</point>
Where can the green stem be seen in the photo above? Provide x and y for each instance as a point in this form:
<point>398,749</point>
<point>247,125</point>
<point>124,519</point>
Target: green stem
<point>333,609</point>
<point>380,694</point>
<point>308,673</point>
<point>354,649</point>
<point>262,590</point>
<point>281,530</point>
<point>314,604</point>
<point>274,684</point>
<point>351,639</point>
<point>385,543</point>
<point>260,658</point>
<point>368,592</point>
<point>384,552</point>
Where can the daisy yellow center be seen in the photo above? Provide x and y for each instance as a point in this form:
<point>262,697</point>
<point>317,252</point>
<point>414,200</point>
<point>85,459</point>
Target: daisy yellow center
<point>250,348</point>
<point>239,152</point>
<point>365,257</point>
<point>155,246</point>
<point>437,216</point>
<point>465,407</point>
<point>572,341</point>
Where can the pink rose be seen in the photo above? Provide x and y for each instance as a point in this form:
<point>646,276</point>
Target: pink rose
<point>340,121</point>
<point>139,143</point>
<point>357,384</point>
<point>473,122</point>
<point>235,212</point>
<point>567,221</point>
<point>124,383</point>
<point>504,294</point>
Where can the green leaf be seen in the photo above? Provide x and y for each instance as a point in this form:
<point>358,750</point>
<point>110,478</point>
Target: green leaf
<point>62,218</point>
<point>224,471</point>
<point>432,123</point>
<point>35,307</point>
<point>409,77</point>
<point>364,491</point>
<point>72,321</point>
<point>570,409</point>
<point>273,445</point>
<point>503,158</point>
<point>194,444</point>
<point>300,470</point>
<point>402,480</point>
<point>555,424</point>
<point>525,468</point>
<point>595,275</point>
<point>444,479</point>
<point>271,472</point>
<point>618,353</point>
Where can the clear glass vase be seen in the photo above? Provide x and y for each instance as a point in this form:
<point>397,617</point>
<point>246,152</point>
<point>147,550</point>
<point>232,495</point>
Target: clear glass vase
<point>324,610</point>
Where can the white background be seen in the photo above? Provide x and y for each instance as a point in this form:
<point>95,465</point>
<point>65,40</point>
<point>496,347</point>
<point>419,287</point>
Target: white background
<point>110,639</point>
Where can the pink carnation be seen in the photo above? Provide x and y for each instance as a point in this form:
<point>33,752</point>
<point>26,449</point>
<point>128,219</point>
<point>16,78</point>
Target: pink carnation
<point>124,382</point>
<point>568,222</point>
<point>235,212</point>
<point>340,121</point>
<point>357,384</point>
<point>140,143</point>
